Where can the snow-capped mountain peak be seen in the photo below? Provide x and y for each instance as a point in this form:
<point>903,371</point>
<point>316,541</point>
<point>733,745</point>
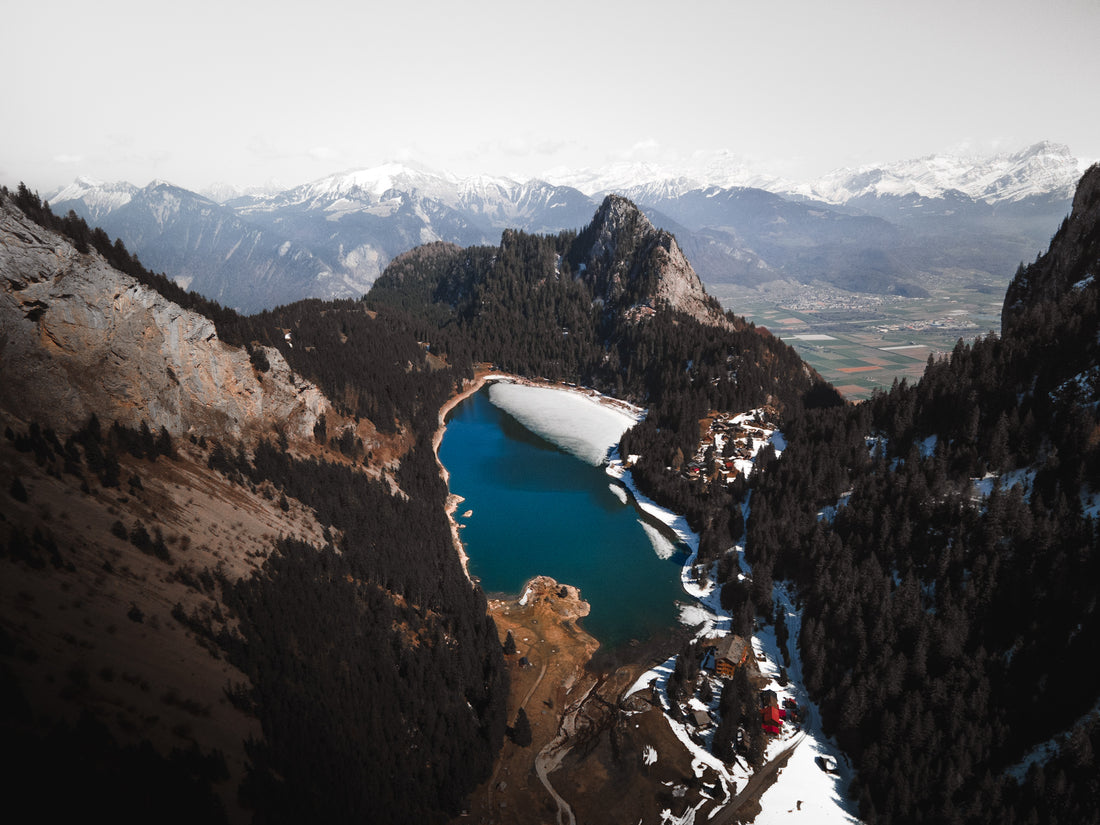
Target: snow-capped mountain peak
<point>1042,169</point>
<point>222,192</point>
<point>99,198</point>
<point>378,180</point>
<point>620,177</point>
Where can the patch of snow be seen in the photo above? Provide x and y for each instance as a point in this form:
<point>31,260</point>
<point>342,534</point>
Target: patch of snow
<point>692,615</point>
<point>576,422</point>
<point>619,493</point>
<point>928,446</point>
<point>1090,503</point>
<point>649,755</point>
<point>827,514</point>
<point>876,443</point>
<point>778,442</point>
<point>662,546</point>
<point>1084,385</point>
<point>1044,751</point>
<point>983,487</point>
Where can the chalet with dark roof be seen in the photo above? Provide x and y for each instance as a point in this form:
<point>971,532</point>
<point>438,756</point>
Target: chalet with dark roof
<point>730,653</point>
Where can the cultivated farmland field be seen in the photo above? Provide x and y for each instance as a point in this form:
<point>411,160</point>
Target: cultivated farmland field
<point>861,342</point>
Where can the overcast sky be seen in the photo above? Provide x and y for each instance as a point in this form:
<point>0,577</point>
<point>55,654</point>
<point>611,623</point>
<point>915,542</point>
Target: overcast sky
<point>250,92</point>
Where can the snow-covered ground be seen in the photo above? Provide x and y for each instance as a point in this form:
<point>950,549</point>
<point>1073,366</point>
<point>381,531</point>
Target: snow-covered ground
<point>583,424</point>
<point>804,792</point>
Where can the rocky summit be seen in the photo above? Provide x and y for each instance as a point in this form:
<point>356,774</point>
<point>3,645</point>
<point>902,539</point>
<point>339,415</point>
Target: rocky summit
<point>636,268</point>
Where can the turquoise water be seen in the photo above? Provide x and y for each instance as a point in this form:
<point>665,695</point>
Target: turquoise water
<point>539,511</point>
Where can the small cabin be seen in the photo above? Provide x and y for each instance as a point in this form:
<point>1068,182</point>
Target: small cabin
<point>701,719</point>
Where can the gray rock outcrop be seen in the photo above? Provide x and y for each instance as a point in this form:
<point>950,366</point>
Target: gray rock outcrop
<point>77,337</point>
<point>636,268</point>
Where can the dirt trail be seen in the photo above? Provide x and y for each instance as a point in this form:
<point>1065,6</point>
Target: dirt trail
<point>534,687</point>
<point>759,782</point>
<point>550,686</point>
<point>550,757</point>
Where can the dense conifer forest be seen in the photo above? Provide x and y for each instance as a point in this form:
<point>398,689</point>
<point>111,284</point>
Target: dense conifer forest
<point>376,673</point>
<point>949,628</point>
<point>936,535</point>
<point>532,307</point>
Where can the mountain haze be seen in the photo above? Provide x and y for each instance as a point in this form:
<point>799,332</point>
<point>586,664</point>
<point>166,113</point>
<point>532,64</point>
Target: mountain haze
<point>879,230</point>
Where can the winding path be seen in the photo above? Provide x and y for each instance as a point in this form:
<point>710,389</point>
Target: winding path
<point>534,687</point>
<point>756,785</point>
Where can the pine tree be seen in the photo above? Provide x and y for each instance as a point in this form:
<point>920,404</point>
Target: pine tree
<point>781,633</point>
<point>521,731</point>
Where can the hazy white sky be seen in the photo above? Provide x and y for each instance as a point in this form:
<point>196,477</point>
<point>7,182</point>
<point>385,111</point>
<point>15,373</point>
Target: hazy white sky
<point>247,92</point>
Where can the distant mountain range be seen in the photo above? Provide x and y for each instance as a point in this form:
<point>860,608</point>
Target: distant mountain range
<point>874,229</point>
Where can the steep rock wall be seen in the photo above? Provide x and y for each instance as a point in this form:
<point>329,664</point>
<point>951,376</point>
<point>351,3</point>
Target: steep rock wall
<point>77,336</point>
<point>633,265</point>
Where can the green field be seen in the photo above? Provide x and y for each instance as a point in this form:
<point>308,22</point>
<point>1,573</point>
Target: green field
<point>860,343</point>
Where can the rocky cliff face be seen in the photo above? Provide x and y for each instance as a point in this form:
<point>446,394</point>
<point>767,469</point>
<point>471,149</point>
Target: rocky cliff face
<point>80,337</point>
<point>636,268</point>
<point>1072,262</point>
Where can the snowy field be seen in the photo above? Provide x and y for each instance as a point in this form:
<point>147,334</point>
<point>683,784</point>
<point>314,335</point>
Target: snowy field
<point>576,422</point>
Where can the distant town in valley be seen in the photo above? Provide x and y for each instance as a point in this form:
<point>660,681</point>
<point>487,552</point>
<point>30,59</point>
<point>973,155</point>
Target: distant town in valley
<point>861,342</point>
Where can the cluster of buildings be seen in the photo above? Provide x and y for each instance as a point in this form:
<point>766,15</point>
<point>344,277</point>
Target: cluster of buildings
<point>727,444</point>
<point>725,656</point>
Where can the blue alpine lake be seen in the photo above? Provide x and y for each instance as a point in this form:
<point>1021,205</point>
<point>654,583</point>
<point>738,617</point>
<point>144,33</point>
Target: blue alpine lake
<point>537,510</point>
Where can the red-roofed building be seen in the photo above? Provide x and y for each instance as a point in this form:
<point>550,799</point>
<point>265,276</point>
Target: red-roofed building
<point>773,721</point>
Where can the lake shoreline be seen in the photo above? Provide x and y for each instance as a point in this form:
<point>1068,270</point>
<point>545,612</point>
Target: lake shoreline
<point>482,377</point>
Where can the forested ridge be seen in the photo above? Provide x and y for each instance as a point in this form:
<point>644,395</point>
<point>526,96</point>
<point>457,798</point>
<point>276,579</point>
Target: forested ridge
<point>375,672</point>
<point>564,308</point>
<point>948,628</point>
<point>936,534</point>
<point>378,674</point>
